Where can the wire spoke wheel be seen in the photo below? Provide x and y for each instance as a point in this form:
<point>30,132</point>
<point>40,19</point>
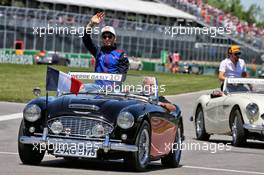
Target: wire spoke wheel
<point>143,147</point>
<point>239,137</point>
<point>234,130</point>
<point>178,145</point>
<point>138,161</point>
<point>199,123</point>
<point>200,130</point>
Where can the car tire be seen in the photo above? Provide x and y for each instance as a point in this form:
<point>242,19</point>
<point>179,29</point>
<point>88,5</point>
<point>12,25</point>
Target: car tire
<point>28,154</point>
<point>200,130</point>
<point>135,161</point>
<point>238,132</point>
<point>172,160</point>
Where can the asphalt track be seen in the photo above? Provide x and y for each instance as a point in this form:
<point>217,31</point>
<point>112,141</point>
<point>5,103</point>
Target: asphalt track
<point>213,157</point>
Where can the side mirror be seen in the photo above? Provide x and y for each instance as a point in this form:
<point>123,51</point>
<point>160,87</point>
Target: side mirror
<point>37,91</point>
<point>153,100</point>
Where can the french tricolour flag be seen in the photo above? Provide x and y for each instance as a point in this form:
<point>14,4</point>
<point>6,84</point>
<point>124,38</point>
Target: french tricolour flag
<point>61,82</point>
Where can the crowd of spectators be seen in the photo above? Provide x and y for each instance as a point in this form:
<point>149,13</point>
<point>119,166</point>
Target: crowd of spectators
<point>216,17</point>
<point>242,30</point>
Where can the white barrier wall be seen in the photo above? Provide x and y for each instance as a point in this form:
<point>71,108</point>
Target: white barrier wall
<point>16,59</point>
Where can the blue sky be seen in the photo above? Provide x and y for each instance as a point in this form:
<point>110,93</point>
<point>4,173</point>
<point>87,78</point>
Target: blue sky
<point>247,3</point>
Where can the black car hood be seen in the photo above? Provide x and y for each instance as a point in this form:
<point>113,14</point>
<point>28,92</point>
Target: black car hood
<point>83,105</point>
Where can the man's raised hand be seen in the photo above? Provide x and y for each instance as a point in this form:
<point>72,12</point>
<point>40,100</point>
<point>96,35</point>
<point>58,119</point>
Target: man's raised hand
<point>97,19</point>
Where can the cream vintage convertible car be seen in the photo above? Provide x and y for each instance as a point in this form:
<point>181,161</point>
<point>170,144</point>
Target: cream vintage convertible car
<point>238,111</point>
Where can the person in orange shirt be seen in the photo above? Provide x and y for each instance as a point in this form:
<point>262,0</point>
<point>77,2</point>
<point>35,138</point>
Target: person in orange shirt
<point>203,12</point>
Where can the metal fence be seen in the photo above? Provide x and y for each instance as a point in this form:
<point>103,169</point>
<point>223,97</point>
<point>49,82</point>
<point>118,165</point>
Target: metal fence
<point>137,39</point>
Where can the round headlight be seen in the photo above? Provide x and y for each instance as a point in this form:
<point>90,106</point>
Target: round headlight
<point>98,131</point>
<point>32,113</point>
<point>56,127</point>
<point>252,111</point>
<point>125,120</point>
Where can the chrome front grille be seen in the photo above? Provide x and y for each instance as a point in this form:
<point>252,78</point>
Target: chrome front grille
<point>80,126</point>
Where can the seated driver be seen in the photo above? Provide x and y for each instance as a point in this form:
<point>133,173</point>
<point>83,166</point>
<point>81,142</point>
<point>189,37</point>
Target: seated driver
<point>149,85</point>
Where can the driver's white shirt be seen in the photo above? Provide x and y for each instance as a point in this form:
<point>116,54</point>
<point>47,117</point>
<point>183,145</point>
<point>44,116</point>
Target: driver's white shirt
<point>230,70</point>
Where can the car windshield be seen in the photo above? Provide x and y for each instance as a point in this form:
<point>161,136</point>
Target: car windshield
<point>244,85</point>
<point>118,84</point>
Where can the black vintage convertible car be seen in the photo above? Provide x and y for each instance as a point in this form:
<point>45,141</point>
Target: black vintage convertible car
<point>101,124</point>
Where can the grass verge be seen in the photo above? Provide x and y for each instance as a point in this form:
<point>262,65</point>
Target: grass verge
<point>17,81</point>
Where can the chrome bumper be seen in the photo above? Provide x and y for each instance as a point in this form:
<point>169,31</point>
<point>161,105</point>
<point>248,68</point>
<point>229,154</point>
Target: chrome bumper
<point>251,127</point>
<point>106,145</point>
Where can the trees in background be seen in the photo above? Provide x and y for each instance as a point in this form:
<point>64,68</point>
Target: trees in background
<point>254,14</point>
<point>5,2</point>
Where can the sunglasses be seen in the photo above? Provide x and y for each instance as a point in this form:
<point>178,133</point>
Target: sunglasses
<point>107,36</point>
<point>237,54</point>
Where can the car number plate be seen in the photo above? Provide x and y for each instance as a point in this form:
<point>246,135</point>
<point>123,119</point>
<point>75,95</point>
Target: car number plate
<point>75,152</point>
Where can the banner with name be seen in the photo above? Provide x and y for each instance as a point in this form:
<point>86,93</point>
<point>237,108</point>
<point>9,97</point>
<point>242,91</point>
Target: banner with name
<point>245,81</point>
<point>96,76</point>
<point>16,59</point>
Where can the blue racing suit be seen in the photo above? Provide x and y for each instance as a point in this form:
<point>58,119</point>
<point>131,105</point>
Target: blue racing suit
<point>108,59</point>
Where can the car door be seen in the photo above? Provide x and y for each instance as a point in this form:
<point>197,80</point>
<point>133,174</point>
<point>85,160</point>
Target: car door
<point>163,132</point>
<point>223,120</point>
<point>214,114</point>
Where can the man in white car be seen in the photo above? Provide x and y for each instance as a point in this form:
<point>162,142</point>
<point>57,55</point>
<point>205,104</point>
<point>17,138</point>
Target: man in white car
<point>233,66</point>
